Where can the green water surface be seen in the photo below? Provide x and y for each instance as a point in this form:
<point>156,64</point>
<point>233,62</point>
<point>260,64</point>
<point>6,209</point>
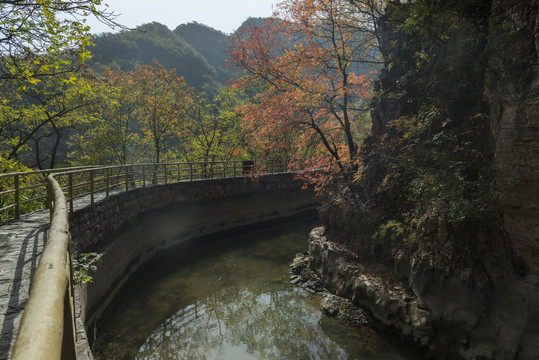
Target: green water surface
<point>229,297</point>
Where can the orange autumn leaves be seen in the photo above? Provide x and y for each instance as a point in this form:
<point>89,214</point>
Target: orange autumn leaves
<point>310,97</point>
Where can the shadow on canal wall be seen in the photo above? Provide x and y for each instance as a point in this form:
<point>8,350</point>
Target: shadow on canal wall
<point>130,228</point>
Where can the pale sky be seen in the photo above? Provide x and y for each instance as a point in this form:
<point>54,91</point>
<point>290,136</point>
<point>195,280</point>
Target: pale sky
<point>224,15</point>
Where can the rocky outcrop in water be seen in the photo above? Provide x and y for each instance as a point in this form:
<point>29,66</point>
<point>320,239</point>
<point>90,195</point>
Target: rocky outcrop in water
<point>332,305</point>
<point>449,315</point>
<point>386,300</point>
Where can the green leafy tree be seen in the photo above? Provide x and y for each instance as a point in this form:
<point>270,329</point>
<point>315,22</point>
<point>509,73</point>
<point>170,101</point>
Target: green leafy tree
<point>212,130</point>
<point>163,102</point>
<point>44,44</point>
<point>110,129</point>
<point>39,38</point>
<point>37,119</point>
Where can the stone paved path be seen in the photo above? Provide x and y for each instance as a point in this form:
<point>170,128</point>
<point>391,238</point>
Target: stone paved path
<point>21,244</point>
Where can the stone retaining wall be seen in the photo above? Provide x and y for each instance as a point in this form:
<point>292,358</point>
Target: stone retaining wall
<point>131,227</point>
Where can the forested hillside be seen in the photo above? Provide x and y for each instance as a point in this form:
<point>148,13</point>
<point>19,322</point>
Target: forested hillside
<point>197,51</point>
<point>211,44</point>
<point>155,41</point>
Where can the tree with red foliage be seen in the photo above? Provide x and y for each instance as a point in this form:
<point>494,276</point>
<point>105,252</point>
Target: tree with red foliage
<point>310,95</point>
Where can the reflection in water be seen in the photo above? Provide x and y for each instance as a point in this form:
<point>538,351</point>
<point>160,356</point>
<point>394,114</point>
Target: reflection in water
<point>230,299</point>
<point>237,323</point>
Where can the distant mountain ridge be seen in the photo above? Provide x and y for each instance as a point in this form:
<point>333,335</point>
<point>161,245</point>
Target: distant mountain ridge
<point>211,44</point>
<point>196,51</point>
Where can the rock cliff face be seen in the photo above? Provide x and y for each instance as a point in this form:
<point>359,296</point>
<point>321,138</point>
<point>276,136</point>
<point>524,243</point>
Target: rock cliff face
<point>462,293</point>
<point>513,93</point>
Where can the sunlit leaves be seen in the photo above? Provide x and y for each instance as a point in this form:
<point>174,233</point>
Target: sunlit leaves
<point>35,35</point>
<point>36,116</point>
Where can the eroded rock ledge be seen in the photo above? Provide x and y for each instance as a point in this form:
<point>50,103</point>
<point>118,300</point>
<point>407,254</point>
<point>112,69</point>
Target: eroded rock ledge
<point>335,268</point>
<point>332,305</point>
<point>451,316</point>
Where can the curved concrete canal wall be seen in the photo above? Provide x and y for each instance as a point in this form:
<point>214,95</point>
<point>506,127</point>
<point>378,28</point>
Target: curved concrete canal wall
<point>130,228</point>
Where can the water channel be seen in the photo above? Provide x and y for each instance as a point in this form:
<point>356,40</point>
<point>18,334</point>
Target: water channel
<point>229,297</point>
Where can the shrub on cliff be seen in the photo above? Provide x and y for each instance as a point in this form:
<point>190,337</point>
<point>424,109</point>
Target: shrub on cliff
<point>426,167</point>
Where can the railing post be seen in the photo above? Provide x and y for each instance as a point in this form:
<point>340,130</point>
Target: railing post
<point>17,196</point>
<point>191,170</point>
<point>234,168</point>
<point>143,175</point>
<point>50,197</point>
<point>165,171</point>
<point>211,170</point>
<point>70,184</point>
<point>91,186</point>
<point>179,177</point>
<point>107,176</point>
<point>127,178</point>
<point>47,203</point>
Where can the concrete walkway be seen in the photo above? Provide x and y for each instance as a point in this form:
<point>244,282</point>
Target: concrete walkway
<point>21,245</point>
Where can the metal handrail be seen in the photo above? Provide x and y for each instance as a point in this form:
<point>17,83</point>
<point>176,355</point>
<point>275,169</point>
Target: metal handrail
<point>29,188</point>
